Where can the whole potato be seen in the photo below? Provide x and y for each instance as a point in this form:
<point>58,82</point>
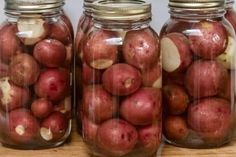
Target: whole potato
<point>41,108</point>
<point>89,130</point>
<point>90,75</point>
<point>205,78</point>
<point>121,79</point>
<point>98,104</point>
<point>99,49</point>
<point>141,48</point>
<point>143,107</point>
<point>116,137</point>
<point>211,118</point>
<point>24,70</point>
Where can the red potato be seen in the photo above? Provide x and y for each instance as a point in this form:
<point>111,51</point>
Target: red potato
<point>150,137</point>
<point>41,108</point>
<point>24,70</point>
<point>3,123</point>
<point>227,89</point>
<point>175,128</point>
<point>12,96</point>
<point>231,17</point>
<point>174,78</point>
<point>61,32</point>
<point>143,107</point>
<point>54,127</point>
<point>208,39</point>
<point>53,84</point>
<point>211,118</point>
<point>121,79</point>
<point>98,104</point>
<point>9,43</point>
<point>116,137</point>
<point>23,127</point>
<point>90,75</point>
<point>4,70</point>
<point>32,30</point>
<point>68,23</point>
<point>153,76</point>
<point>176,52</point>
<point>64,107</point>
<point>51,53</point>
<point>99,49</point>
<point>205,78</point>
<point>89,131</point>
<point>176,99</point>
<point>141,48</point>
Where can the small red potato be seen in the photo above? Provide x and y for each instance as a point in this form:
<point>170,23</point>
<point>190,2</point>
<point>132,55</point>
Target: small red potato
<point>175,128</point>
<point>173,78</point>
<point>4,70</point>
<point>23,127</point>
<point>116,137</point>
<point>143,107</point>
<point>150,137</point>
<point>64,107</point>
<point>12,96</point>
<point>99,49</point>
<point>41,108</point>
<point>211,118</point>
<point>176,52</point>
<point>9,43</point>
<point>32,30</point>
<point>176,99</point>
<point>54,127</point>
<point>231,17</point>
<point>153,76</point>
<point>90,75</point>
<point>205,78</point>
<point>61,32</point>
<point>53,84</point>
<point>141,48</point>
<point>24,70</point>
<point>51,53</point>
<point>98,104</point>
<point>89,131</point>
<point>121,79</point>
<point>208,40</point>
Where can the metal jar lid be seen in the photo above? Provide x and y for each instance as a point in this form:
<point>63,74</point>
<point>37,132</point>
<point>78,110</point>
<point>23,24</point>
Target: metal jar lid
<point>229,1</point>
<point>33,6</point>
<point>125,10</point>
<point>198,5</point>
<point>88,5</point>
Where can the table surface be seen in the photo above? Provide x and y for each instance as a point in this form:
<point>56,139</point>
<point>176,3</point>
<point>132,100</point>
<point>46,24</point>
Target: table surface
<point>76,148</point>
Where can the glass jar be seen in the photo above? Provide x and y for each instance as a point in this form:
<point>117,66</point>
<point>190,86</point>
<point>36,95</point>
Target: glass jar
<point>231,13</point>
<point>35,76</point>
<point>121,73</point>
<point>198,54</point>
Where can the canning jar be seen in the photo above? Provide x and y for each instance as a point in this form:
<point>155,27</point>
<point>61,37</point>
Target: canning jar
<point>121,75</point>
<point>35,75</point>
<point>198,53</point>
<point>230,13</point>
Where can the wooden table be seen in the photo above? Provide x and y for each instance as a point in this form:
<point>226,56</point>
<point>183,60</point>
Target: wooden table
<point>76,148</point>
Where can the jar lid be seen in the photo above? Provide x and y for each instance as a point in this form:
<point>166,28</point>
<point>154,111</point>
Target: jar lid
<point>33,6</point>
<point>201,5</point>
<point>229,1</point>
<point>88,5</point>
<point>122,10</point>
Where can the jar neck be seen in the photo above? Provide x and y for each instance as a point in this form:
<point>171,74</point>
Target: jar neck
<point>229,5</point>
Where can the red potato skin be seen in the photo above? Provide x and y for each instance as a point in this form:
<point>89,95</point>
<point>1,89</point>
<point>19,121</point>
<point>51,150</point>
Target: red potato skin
<point>51,53</point>
<point>68,23</point>
<point>57,123</point>
<point>141,48</point>
<point>24,119</point>
<point>175,128</point>
<point>227,91</point>
<point>211,118</point>
<point>205,78</point>
<point>41,108</point>
<point>212,42</point>
<point>183,45</point>
<point>24,70</point>
<point>4,70</point>
<point>143,107</point>
<point>176,99</point>
<point>116,137</point>
<point>53,84</point>
<point>90,75</point>
<point>98,104</point>
<point>89,131</point>
<point>231,17</point>
<point>173,78</point>
<point>97,47</point>
<point>17,97</point>
<point>9,43</point>
<point>121,79</point>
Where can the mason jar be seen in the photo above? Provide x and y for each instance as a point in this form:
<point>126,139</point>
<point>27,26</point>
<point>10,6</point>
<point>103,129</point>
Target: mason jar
<point>198,54</point>
<point>35,75</point>
<point>230,13</point>
<point>121,109</point>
